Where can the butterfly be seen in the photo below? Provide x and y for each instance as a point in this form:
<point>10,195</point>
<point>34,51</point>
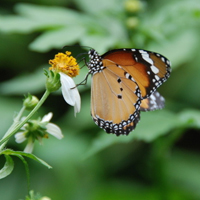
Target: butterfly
<point>124,82</point>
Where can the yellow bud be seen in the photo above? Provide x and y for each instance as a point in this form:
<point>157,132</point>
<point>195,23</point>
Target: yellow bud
<point>133,6</point>
<point>132,22</point>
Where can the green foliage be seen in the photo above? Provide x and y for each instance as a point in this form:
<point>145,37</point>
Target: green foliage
<point>159,159</point>
<point>8,167</point>
<point>9,152</point>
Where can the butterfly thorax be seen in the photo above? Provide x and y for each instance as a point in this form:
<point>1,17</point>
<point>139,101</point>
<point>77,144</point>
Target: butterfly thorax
<point>95,64</point>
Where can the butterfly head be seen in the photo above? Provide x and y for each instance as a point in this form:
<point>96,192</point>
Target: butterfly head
<point>95,63</point>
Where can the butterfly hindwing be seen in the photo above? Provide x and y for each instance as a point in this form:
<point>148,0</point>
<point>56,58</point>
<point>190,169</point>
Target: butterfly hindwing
<point>154,102</point>
<point>115,100</point>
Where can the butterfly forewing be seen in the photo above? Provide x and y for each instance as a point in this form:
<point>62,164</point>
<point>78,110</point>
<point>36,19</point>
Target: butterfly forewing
<point>115,100</point>
<point>148,69</point>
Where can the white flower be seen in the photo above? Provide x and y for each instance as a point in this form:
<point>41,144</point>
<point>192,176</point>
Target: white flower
<point>29,146</point>
<point>70,92</point>
<point>37,130</point>
<point>20,137</point>
<point>52,129</point>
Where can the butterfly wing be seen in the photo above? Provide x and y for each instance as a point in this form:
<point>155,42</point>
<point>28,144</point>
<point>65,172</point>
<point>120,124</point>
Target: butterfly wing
<point>148,69</point>
<point>154,102</point>
<point>115,100</point>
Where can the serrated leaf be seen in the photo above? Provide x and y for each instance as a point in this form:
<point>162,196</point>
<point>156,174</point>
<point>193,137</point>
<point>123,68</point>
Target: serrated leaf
<point>7,168</point>
<point>29,155</point>
<point>57,38</point>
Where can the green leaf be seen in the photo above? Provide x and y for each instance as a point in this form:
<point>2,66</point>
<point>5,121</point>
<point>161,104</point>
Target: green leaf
<point>29,155</point>
<point>175,49</point>
<point>26,168</point>
<point>26,83</point>
<point>103,42</point>
<point>8,107</point>
<point>36,17</point>
<point>100,6</point>
<point>152,125</point>
<point>17,24</point>
<point>183,170</point>
<point>57,38</point>
<point>8,167</point>
<point>190,118</point>
<point>49,15</point>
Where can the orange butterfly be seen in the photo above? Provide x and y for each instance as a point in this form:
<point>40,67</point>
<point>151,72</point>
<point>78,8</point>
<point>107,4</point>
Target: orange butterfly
<point>124,82</point>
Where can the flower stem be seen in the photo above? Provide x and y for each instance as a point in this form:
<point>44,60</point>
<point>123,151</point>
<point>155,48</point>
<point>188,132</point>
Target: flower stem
<point>16,125</point>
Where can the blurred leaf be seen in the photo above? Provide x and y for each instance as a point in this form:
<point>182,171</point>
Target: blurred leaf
<point>104,6</point>
<point>83,119</point>
<point>16,24</point>
<point>184,172</point>
<point>57,38</point>
<point>26,83</point>
<point>49,14</point>
<point>20,153</point>
<point>34,17</point>
<point>8,107</point>
<point>155,124</point>
<point>179,49</point>
<point>103,37</point>
<point>152,125</point>
<point>191,118</point>
<point>7,168</point>
<point>100,42</point>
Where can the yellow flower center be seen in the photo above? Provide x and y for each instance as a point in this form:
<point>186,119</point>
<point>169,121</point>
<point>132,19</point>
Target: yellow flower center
<point>65,63</point>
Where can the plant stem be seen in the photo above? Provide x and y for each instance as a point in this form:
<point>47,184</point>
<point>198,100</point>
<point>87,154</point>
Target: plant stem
<point>16,125</point>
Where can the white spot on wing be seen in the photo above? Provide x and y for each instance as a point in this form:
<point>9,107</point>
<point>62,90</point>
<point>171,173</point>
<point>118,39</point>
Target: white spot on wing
<point>157,77</point>
<point>146,57</point>
<point>154,69</point>
<point>142,51</point>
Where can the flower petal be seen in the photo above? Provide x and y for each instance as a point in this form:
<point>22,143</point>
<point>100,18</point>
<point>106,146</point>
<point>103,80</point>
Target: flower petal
<point>20,137</point>
<point>77,106</point>
<point>54,130</point>
<point>66,84</point>
<point>29,146</point>
<point>47,117</point>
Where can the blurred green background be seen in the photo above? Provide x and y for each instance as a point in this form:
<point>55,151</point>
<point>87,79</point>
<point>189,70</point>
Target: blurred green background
<point>160,160</point>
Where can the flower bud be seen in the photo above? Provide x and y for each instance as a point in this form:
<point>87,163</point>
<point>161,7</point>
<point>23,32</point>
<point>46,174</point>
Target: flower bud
<point>30,102</point>
<point>133,6</point>
<point>132,22</point>
<point>53,81</point>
